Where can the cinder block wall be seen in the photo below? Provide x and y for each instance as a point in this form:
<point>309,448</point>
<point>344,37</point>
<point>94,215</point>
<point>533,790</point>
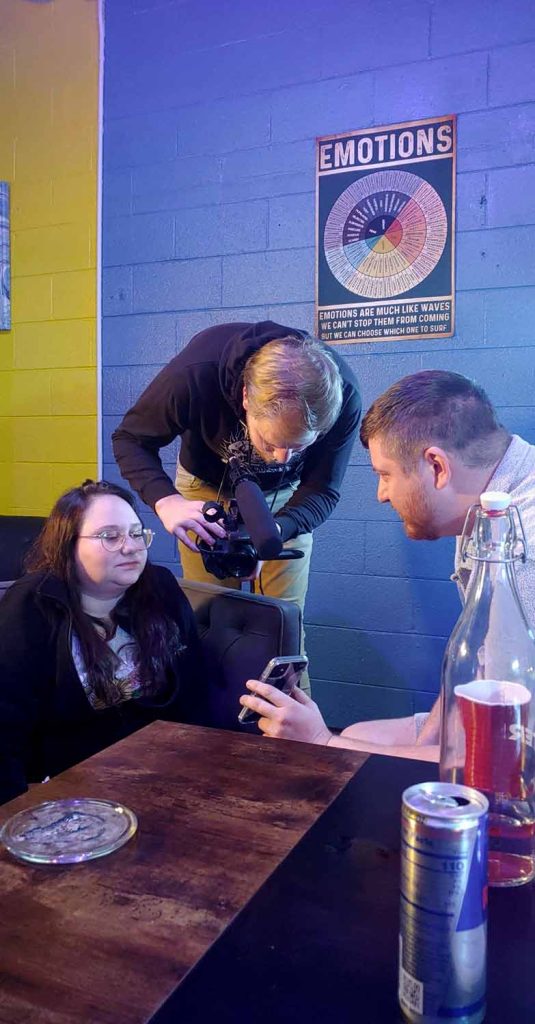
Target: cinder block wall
<point>211,110</point>
<point>48,149</point>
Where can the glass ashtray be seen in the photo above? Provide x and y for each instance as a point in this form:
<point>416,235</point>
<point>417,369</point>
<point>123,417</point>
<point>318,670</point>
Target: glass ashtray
<point>68,831</point>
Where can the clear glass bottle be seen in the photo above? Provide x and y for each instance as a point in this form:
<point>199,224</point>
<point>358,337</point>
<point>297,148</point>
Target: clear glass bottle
<point>487,735</point>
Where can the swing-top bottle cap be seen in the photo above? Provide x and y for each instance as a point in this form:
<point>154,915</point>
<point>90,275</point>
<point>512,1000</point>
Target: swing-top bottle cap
<point>495,501</point>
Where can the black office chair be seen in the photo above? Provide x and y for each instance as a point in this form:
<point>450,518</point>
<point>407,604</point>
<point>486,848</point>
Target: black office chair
<point>17,534</point>
<point>240,632</point>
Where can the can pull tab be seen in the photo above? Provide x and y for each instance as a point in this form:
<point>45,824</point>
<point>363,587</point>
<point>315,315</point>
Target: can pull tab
<point>443,800</point>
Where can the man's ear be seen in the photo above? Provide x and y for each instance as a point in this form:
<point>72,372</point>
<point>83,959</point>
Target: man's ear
<point>245,400</point>
<point>438,462</point>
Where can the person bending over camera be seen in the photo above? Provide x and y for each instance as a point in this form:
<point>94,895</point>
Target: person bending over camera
<point>95,642</point>
<point>284,404</point>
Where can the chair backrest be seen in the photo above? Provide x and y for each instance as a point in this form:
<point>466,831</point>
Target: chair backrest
<point>17,534</point>
<point>240,632</point>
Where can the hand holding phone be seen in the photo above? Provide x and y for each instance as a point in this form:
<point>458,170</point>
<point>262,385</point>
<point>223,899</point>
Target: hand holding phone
<point>284,672</point>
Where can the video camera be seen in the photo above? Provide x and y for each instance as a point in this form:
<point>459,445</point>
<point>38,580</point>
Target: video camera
<point>252,533</point>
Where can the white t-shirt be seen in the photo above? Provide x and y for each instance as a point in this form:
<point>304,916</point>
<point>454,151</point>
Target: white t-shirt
<point>126,671</point>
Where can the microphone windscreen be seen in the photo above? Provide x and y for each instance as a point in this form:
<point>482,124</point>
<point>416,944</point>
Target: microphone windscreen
<point>258,519</point>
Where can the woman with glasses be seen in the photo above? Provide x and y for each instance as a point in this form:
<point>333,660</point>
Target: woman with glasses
<point>95,642</point>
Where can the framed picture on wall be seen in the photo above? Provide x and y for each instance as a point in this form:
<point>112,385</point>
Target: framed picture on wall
<point>5,274</point>
<point>385,230</point>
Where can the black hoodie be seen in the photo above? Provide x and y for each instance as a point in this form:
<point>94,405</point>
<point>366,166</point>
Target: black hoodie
<point>47,723</point>
<point>199,396</point>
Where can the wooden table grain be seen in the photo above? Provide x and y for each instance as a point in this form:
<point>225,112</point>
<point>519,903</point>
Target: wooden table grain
<point>318,943</point>
<point>107,942</point>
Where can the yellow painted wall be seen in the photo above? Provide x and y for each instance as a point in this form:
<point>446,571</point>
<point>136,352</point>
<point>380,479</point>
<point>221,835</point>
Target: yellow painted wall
<point>49,53</point>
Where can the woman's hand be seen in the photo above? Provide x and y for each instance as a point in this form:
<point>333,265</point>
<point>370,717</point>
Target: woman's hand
<point>179,515</point>
<point>286,717</point>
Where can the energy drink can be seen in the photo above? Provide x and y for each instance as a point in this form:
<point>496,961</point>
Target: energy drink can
<point>443,927</point>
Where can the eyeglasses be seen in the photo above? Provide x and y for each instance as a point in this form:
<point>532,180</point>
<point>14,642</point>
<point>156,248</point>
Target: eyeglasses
<point>113,540</point>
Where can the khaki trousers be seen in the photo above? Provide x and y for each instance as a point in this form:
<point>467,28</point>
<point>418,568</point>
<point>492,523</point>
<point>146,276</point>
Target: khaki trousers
<point>287,580</point>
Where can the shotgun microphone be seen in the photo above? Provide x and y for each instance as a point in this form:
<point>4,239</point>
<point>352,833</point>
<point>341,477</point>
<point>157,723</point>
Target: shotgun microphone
<point>255,513</point>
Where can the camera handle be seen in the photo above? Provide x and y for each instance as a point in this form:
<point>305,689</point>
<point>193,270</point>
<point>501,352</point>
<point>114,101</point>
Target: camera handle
<point>287,554</point>
<point>213,511</point>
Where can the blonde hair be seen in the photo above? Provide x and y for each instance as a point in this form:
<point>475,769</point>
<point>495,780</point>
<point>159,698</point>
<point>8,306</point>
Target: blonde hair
<point>294,376</point>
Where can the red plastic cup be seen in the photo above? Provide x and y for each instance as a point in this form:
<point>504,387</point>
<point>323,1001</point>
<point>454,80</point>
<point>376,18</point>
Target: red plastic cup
<point>495,719</point>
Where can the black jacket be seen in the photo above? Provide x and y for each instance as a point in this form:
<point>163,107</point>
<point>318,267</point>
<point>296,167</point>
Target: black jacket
<point>199,396</point>
<point>46,721</point>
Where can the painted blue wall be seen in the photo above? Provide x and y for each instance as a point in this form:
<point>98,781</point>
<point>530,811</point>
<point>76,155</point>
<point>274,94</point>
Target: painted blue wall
<point>211,109</point>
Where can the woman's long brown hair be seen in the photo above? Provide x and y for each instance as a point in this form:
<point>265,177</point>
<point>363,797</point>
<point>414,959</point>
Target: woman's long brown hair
<point>141,610</point>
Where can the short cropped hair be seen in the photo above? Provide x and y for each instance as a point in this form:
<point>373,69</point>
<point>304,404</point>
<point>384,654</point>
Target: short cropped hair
<point>436,407</point>
<point>294,376</point>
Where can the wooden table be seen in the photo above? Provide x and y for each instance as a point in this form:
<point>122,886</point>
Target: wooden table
<point>108,941</point>
<point>318,944</point>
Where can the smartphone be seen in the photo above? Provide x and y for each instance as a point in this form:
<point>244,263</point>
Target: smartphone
<point>284,672</point>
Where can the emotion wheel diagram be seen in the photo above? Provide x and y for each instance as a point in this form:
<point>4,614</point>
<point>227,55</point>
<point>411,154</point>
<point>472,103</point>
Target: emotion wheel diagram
<point>385,234</point>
